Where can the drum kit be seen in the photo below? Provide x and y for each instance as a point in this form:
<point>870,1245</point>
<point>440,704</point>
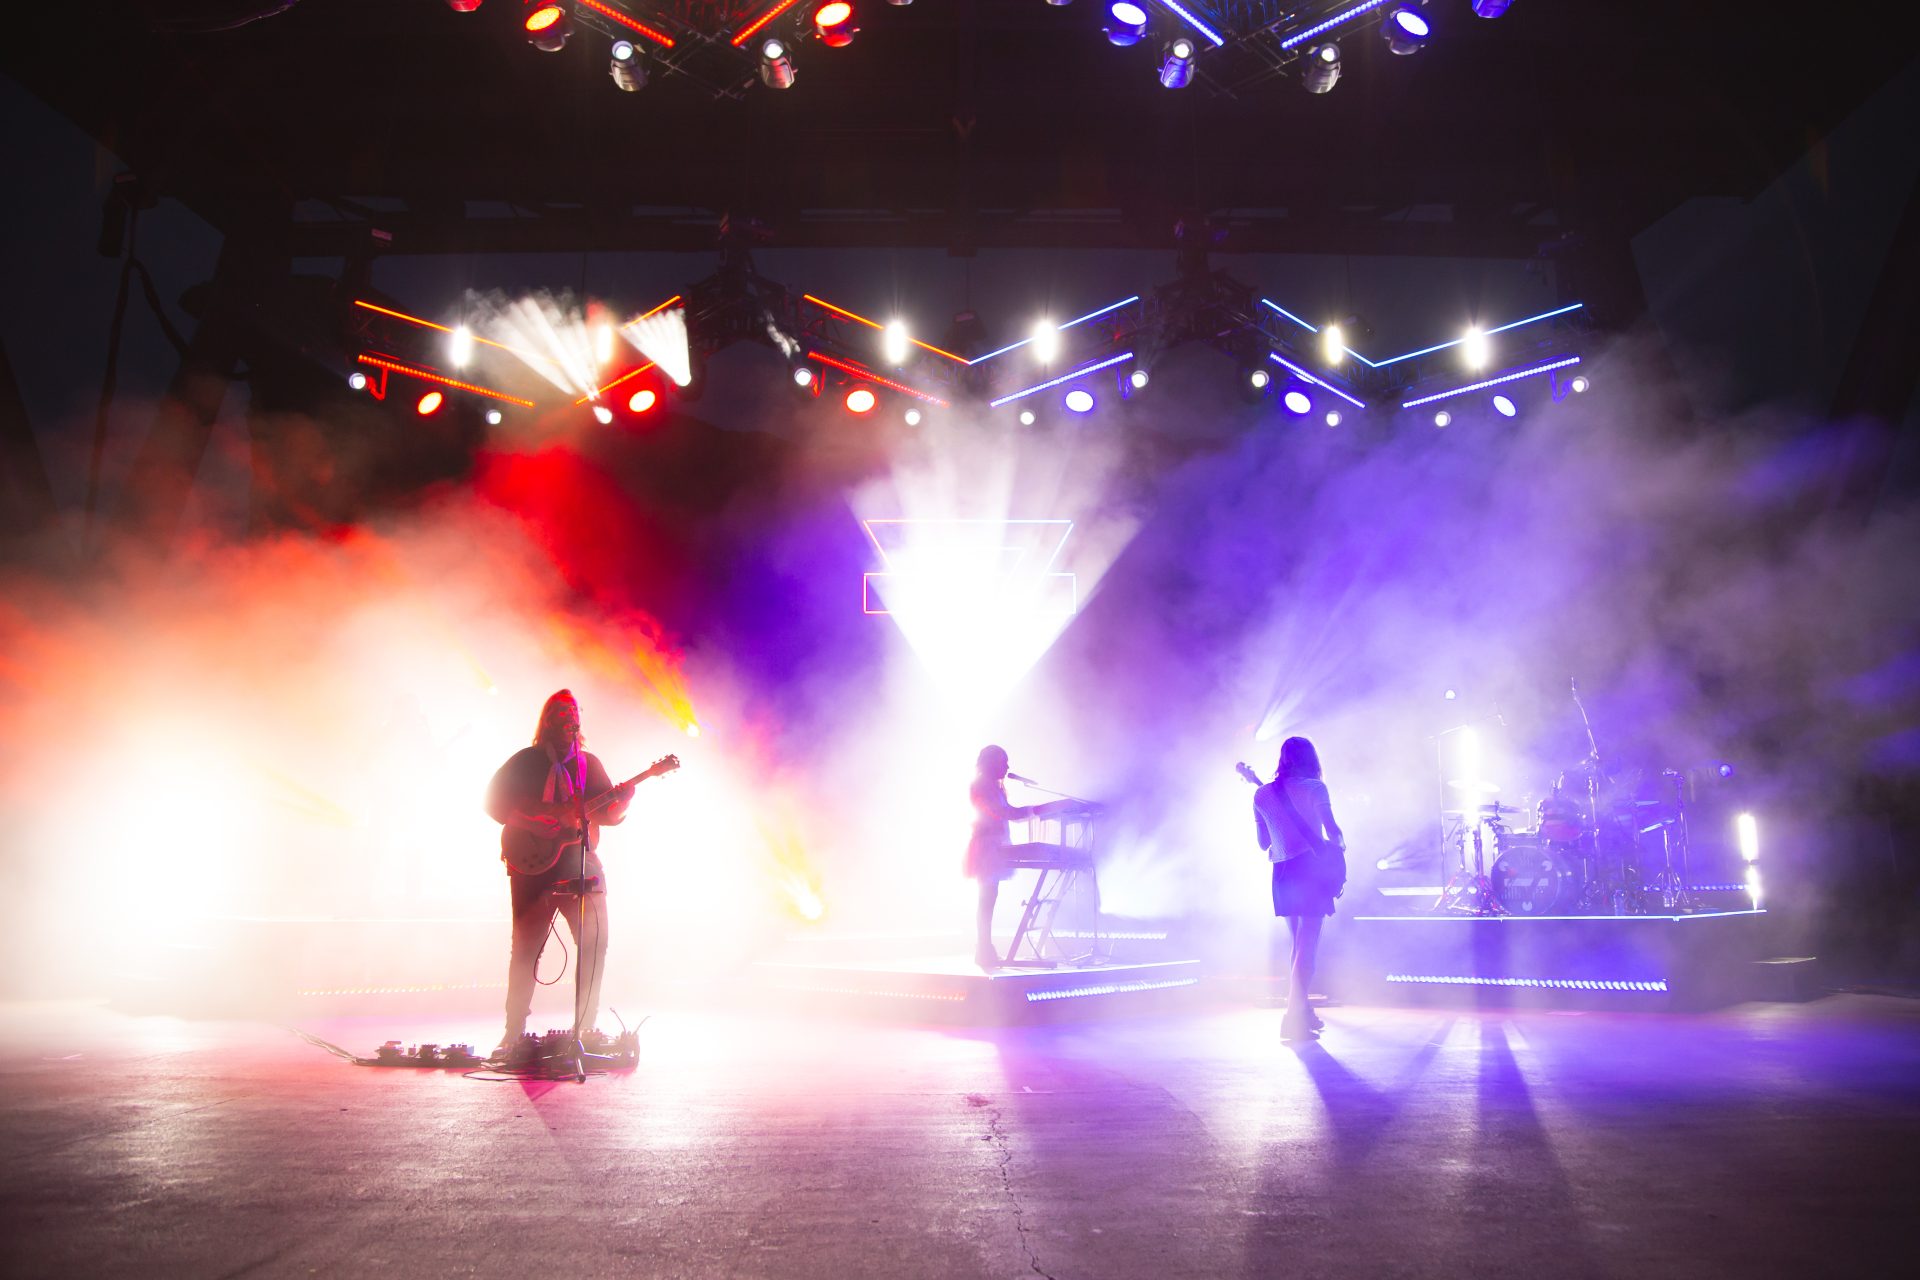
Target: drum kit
<point>1594,845</point>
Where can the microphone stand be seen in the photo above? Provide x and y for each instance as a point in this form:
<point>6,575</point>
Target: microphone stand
<point>580,984</point>
<point>1596,883</point>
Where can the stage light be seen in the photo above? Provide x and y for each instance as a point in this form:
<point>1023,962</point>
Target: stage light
<point>429,404</point>
<point>1724,769</point>
<point>1491,8</point>
<point>547,26</point>
<point>1126,24</point>
<point>1297,402</point>
<point>1333,417</point>
<point>913,417</point>
<point>1176,63</point>
<point>1322,70</point>
<point>1333,344</point>
<point>603,344</point>
<point>804,377</point>
<point>1254,383</point>
<point>1138,379</point>
<point>895,343</point>
<point>834,21</point>
<point>460,347</point>
<point>642,400</point>
<point>861,400</point>
<point>1451,695</point>
<point>1505,407</point>
<point>357,380</point>
<point>1046,341</point>
<point>776,65</point>
<point>1475,350</point>
<point>1406,31</point>
<point>495,417</point>
<point>1080,401</point>
<point>602,414</point>
<point>1580,384</point>
<point>1026,417</point>
<point>1748,833</point>
<point>463,6</point>
<point>1442,418</point>
<point>628,70</point>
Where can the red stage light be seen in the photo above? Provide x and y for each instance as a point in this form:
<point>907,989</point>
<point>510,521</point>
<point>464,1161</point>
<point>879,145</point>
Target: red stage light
<point>860,400</point>
<point>463,6</point>
<point>835,21</point>
<point>544,16</point>
<point>642,400</point>
<point>548,26</point>
<point>430,403</point>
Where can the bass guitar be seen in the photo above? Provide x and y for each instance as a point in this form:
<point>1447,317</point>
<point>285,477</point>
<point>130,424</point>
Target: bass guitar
<point>1329,859</point>
<point>530,853</point>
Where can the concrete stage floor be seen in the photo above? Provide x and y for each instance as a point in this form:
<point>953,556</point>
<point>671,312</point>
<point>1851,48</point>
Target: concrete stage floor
<point>1776,1140</point>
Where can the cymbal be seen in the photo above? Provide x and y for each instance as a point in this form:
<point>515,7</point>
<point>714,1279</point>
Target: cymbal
<point>1474,784</point>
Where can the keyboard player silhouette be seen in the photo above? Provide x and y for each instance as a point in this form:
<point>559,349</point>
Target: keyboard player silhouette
<point>1064,864</point>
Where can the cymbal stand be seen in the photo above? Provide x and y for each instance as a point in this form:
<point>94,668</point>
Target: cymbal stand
<point>1676,894</point>
<point>1472,895</point>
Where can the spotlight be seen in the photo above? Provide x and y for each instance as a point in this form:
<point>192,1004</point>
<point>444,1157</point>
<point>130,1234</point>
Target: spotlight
<point>1126,24</point>
<point>1333,417</point>
<point>1506,407</point>
<point>860,400</point>
<point>895,343</point>
<point>602,414</point>
<point>1254,383</point>
<point>547,26</point>
<point>1451,695</point>
<point>1323,69</point>
<point>642,400</point>
<point>429,404</point>
<point>1474,348</point>
<point>495,417</point>
<point>1080,401</point>
<point>1442,418</point>
<point>1406,31</point>
<point>806,378</point>
<point>1724,769</point>
<point>835,23</point>
<point>1176,63</point>
<point>1491,8</point>
<point>357,380</point>
<point>1138,379</point>
<point>628,70</point>
<point>1333,344</point>
<point>1297,403</point>
<point>460,347</point>
<point>1580,384</point>
<point>913,417</point>
<point>1026,417</point>
<point>463,6</point>
<point>603,344</point>
<point>776,65</point>
<point>1046,342</point>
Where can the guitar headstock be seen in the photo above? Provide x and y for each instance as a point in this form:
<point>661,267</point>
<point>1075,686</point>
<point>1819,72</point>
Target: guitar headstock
<point>665,764</point>
<point>1247,773</point>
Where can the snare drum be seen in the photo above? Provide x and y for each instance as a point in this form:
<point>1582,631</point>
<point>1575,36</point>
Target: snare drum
<point>1532,878</point>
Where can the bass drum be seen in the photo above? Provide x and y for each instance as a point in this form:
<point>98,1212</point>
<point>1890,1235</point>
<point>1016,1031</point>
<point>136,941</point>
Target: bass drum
<point>1532,878</point>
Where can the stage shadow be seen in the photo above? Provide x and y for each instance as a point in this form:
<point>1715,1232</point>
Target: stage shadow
<point>1517,1176</point>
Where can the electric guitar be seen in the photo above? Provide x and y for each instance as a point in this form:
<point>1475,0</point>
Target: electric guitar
<point>1330,858</point>
<point>529,853</point>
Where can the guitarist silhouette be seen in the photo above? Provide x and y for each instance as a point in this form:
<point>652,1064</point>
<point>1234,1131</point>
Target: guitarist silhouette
<point>551,800</point>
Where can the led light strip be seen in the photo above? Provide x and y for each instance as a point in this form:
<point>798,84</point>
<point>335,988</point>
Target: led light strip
<point>1095,315</point>
<point>644,315</point>
<point>1427,351</point>
<point>1492,382</point>
<point>631,24</point>
<point>1277,358</point>
<point>1269,302</point>
<point>1301,37</point>
<point>424,376</point>
<point>1551,984</point>
<point>631,373</point>
<point>1107,989</point>
<point>1015,346</point>
<point>1065,377</point>
<point>875,324</point>
<point>762,21</point>
<point>428,324</point>
<point>1195,23</point>
<point>869,376</point>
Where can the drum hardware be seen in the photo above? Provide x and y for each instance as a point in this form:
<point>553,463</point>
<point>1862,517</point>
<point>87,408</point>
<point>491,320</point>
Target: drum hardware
<point>1471,894</point>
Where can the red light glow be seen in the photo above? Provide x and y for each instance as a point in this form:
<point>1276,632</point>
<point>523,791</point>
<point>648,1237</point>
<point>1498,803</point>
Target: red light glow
<point>543,17</point>
<point>845,314</point>
<point>869,376</point>
<point>832,15</point>
<point>643,400</point>
<point>660,38</point>
<point>861,400</point>
<point>762,21</point>
<point>424,375</point>
<point>430,403</point>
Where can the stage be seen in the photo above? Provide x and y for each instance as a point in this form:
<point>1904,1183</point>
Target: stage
<point>1760,1140</point>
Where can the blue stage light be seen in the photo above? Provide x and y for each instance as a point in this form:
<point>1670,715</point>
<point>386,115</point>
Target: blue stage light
<point>1491,8</point>
<point>1322,70</point>
<point>1406,31</point>
<point>1080,401</point>
<point>1725,769</point>
<point>1126,24</point>
<point>1176,63</point>
<point>1506,407</point>
<point>1297,402</point>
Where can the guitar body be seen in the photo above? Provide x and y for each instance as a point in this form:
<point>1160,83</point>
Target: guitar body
<point>1329,859</point>
<point>529,853</point>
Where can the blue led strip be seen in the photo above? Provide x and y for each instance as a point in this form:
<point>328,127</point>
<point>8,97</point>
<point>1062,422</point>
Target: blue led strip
<point>1269,302</point>
<point>1107,989</point>
<point>1427,351</point>
<point>1095,315</point>
<point>1277,358</point>
<point>1065,377</point>
<point>1301,37</point>
<point>1492,382</point>
<point>1195,23</point>
<point>1549,984</point>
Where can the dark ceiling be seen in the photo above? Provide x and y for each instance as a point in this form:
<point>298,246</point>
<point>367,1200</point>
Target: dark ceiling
<point>957,123</point>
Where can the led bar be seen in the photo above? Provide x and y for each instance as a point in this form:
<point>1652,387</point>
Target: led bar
<point>1549,984</point>
<point>1107,989</point>
<point>1301,37</point>
<point>1485,333</point>
<point>1194,22</point>
<point>762,21</point>
<point>1095,315</point>
<point>867,375</point>
<point>644,315</point>
<point>660,38</point>
<point>1314,378</point>
<point>423,375</point>
<point>1269,302</point>
<point>875,324</point>
<point>631,373</point>
<point>1065,377</point>
<point>1492,382</point>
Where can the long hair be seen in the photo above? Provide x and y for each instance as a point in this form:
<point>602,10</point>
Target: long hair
<point>546,713</point>
<point>981,762</point>
<point>1298,759</point>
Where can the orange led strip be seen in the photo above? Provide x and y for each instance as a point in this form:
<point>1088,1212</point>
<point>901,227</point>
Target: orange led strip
<point>762,21</point>
<point>867,375</point>
<point>428,324</point>
<point>631,373</point>
<point>871,324</point>
<point>424,376</point>
<point>656,311</point>
<point>658,37</point>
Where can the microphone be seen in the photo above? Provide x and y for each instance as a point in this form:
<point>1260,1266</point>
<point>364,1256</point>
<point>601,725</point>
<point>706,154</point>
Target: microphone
<point>1017,778</point>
